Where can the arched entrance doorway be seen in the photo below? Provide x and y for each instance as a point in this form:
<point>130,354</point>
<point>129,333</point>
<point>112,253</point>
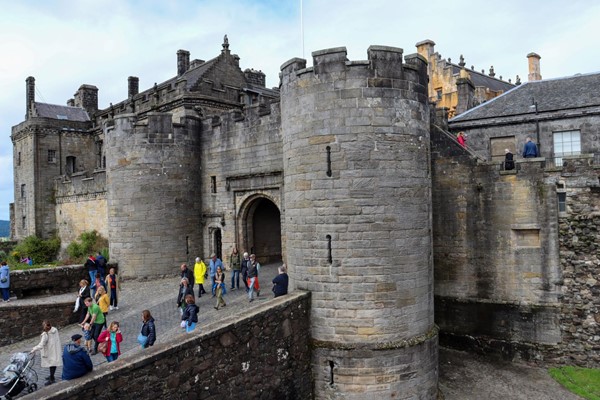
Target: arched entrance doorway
<point>261,230</point>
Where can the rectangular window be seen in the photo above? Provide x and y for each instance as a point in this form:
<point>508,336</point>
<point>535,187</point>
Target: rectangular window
<point>213,184</point>
<point>51,156</point>
<point>24,222</point>
<point>562,201</point>
<point>438,92</point>
<point>19,159</point>
<point>566,143</point>
<point>22,190</point>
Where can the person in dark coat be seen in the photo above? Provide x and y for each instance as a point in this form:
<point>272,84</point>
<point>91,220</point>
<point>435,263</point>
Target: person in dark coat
<point>76,360</point>
<point>189,318</point>
<point>509,162</point>
<point>187,273</point>
<point>280,282</point>
<point>184,290</point>
<point>530,149</point>
<point>244,270</point>
<point>148,328</point>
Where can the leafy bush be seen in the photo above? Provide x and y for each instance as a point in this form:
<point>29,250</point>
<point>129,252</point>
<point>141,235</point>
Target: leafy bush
<point>88,243</point>
<point>39,250</point>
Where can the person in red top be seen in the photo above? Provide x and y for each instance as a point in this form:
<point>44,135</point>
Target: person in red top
<point>462,139</point>
<point>113,338</point>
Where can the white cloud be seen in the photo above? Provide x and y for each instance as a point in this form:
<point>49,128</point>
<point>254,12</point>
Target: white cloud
<point>64,44</point>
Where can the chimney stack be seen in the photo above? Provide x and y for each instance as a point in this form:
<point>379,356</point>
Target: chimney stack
<point>29,95</point>
<point>87,98</point>
<point>183,61</point>
<point>534,67</point>
<point>133,86</point>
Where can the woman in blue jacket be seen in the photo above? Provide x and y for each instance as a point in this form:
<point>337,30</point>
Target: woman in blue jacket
<point>5,281</point>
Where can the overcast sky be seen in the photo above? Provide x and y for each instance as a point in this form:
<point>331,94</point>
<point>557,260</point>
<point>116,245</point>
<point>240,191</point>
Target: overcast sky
<point>64,44</point>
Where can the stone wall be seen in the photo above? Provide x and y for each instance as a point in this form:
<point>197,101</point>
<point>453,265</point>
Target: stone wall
<point>243,152</point>
<point>497,270</point>
<point>22,321</point>
<point>579,256</point>
<point>153,193</point>
<point>513,275</point>
<point>46,281</point>
<point>358,219</point>
<point>262,355</point>
<point>81,207</point>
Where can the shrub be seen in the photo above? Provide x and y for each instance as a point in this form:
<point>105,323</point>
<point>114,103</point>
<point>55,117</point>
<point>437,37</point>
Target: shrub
<point>88,243</point>
<point>39,250</point>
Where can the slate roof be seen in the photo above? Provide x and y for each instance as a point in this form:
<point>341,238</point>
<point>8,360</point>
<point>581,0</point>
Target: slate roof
<point>480,79</point>
<point>56,111</point>
<point>550,95</point>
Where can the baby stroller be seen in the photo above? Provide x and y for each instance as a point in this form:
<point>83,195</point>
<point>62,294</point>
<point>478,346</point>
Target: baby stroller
<point>18,375</point>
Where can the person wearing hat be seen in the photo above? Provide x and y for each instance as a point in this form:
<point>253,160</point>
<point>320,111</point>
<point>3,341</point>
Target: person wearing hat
<point>76,360</point>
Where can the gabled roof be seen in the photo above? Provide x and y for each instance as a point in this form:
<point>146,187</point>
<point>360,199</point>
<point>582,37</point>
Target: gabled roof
<point>551,94</point>
<point>480,79</point>
<point>56,111</point>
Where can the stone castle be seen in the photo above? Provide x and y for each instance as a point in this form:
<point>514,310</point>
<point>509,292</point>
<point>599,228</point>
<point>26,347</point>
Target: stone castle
<point>346,172</point>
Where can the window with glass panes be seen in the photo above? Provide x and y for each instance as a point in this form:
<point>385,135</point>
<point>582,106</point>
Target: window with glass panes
<point>566,143</point>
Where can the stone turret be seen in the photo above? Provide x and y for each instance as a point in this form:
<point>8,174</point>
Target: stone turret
<point>153,172</point>
<point>357,190</point>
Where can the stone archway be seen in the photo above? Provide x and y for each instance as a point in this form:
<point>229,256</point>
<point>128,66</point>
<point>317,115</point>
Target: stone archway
<point>260,233</point>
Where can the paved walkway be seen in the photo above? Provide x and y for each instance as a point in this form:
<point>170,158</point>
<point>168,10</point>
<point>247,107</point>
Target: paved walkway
<point>463,376</point>
<point>160,297</point>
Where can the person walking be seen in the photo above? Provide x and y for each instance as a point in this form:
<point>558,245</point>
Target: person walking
<point>244,270</point>
<point>147,335</point>
<point>184,290</point>
<point>101,298</point>
<point>235,263</point>
<point>84,293</point>
<point>113,338</point>
<point>253,270</point>
<point>113,287</point>
<point>5,281</point>
<point>91,267</point>
<point>212,270</point>
<point>199,275</point>
<point>50,350</point>
<point>220,287</point>
<point>462,139</point>
<point>189,318</point>
<point>96,318</point>
<point>188,274</point>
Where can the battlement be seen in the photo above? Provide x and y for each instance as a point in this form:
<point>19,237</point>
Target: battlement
<point>250,117</point>
<point>384,67</point>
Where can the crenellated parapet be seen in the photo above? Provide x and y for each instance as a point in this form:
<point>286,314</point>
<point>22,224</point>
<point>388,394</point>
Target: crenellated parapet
<point>80,187</point>
<point>357,190</point>
<point>153,175</point>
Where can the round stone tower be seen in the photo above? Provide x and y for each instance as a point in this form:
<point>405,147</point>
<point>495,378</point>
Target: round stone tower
<point>357,190</point>
<point>153,193</point>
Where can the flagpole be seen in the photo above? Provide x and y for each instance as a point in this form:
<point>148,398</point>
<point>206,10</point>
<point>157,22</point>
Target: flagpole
<point>302,26</point>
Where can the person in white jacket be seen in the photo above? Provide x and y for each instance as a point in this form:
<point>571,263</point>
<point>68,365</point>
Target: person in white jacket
<point>50,349</point>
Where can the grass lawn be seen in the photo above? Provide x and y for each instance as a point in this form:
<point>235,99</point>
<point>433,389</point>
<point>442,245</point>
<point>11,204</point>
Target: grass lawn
<point>584,382</point>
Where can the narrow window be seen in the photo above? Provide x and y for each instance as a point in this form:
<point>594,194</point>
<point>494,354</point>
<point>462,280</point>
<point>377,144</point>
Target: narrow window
<point>328,160</point>
<point>19,159</point>
<point>562,201</point>
<point>22,190</point>
<point>23,222</point>
<point>213,184</point>
<point>51,156</point>
<point>331,365</point>
<point>329,256</point>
